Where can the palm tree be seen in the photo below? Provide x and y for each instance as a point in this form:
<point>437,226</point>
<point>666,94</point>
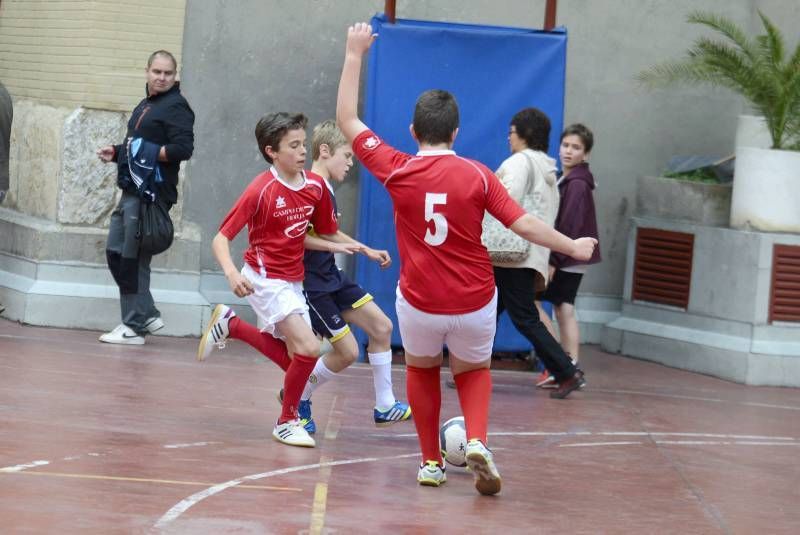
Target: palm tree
<point>758,69</point>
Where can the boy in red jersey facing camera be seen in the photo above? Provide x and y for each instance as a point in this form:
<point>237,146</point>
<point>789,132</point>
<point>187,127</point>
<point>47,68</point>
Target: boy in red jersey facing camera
<point>277,208</point>
<point>446,293</point>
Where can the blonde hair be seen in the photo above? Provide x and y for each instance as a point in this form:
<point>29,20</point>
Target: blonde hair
<point>326,133</point>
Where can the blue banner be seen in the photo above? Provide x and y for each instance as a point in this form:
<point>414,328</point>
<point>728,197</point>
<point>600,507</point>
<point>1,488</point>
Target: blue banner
<point>493,73</point>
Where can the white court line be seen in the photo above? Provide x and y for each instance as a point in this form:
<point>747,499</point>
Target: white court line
<point>589,444</point>
<point>725,443</point>
<point>181,507</point>
<point>609,433</point>
<point>21,467</point>
<point>697,398</point>
<point>189,445</point>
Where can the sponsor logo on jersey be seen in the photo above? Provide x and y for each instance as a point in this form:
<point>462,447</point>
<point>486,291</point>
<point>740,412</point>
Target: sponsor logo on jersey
<point>280,202</point>
<point>371,142</point>
<point>297,230</point>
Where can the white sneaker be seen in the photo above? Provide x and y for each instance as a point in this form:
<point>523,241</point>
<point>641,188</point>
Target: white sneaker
<point>154,324</point>
<point>431,474</point>
<point>293,433</point>
<point>122,334</point>
<point>216,331</point>
<point>480,461</point>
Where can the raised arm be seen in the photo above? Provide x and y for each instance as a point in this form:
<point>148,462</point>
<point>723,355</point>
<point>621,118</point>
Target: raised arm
<point>537,231</point>
<point>359,39</point>
<point>221,247</point>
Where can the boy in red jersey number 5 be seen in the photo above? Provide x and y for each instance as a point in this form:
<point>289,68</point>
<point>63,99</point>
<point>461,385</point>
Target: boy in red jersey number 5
<point>446,293</point>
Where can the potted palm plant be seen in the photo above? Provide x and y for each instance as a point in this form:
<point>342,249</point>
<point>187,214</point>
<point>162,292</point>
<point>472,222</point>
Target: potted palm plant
<point>766,185</point>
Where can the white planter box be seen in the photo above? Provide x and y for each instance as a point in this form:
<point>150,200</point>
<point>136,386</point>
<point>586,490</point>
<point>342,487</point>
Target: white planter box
<point>766,190</point>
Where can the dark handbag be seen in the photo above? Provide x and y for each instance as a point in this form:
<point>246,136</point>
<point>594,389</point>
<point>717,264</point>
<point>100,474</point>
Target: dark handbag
<point>155,228</point>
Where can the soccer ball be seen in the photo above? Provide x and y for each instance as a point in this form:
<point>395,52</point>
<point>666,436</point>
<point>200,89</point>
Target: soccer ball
<point>453,441</point>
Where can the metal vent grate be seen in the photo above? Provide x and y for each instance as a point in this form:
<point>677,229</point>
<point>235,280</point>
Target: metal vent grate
<point>784,298</point>
<point>662,270</point>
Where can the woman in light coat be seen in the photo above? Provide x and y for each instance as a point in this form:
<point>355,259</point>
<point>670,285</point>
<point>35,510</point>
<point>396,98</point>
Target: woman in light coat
<point>529,170</point>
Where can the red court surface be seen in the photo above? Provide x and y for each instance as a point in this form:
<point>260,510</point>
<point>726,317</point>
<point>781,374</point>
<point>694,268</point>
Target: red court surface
<point>107,439</point>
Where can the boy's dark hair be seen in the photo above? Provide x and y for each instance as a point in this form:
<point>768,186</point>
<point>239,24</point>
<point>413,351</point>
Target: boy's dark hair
<point>583,132</point>
<point>435,117</point>
<point>533,126</point>
<point>272,127</point>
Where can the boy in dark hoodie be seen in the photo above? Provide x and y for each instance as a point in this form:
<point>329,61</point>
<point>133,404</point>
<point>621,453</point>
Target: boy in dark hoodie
<point>576,217</point>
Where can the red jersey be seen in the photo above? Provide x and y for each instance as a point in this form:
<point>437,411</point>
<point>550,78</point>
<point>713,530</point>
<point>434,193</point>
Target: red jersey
<point>439,202</point>
<point>277,216</point>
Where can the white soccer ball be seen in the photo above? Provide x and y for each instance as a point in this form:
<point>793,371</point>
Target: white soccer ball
<point>453,441</point>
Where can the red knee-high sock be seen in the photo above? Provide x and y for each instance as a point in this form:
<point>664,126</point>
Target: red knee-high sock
<point>425,397</point>
<point>293,384</point>
<point>269,346</point>
<point>474,391</point>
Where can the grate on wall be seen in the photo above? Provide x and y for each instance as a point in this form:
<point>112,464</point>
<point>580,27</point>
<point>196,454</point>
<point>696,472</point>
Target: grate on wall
<point>784,299</point>
<point>662,271</point>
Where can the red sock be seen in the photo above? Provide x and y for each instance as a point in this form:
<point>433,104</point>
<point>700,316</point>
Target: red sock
<point>293,384</point>
<point>425,397</point>
<point>474,391</point>
<point>269,346</point>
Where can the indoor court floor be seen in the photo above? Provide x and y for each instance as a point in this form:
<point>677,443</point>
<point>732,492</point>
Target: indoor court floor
<point>105,439</point>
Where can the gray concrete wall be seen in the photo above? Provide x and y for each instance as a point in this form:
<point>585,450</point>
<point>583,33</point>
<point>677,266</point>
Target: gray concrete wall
<point>240,61</point>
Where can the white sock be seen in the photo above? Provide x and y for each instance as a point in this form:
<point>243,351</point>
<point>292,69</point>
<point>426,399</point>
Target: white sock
<point>319,376</point>
<point>381,364</point>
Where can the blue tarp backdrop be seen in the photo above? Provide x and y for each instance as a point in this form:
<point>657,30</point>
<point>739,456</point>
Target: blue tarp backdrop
<point>493,73</point>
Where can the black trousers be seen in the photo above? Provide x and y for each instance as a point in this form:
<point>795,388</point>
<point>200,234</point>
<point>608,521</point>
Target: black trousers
<point>516,293</point>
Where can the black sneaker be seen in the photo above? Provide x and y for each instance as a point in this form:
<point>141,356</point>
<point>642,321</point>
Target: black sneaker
<point>566,387</point>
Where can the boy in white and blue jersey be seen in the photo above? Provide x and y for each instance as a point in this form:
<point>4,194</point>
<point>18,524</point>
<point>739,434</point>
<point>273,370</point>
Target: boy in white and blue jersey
<point>334,300</point>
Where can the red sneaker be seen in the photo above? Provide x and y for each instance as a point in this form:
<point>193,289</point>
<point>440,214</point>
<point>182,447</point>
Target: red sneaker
<point>545,380</point>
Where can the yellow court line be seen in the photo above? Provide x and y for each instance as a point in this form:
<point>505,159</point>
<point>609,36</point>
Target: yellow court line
<point>145,480</point>
<point>321,488</point>
<point>320,504</point>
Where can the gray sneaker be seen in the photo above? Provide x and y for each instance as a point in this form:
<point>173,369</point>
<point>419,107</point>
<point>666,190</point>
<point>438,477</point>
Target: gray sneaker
<point>431,474</point>
<point>480,461</point>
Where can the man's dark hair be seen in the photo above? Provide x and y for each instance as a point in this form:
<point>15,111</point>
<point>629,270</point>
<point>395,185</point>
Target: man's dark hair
<point>533,126</point>
<point>435,117</point>
<point>583,132</point>
<point>272,127</point>
<point>163,54</point>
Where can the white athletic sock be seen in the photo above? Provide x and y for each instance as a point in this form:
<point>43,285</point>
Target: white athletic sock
<point>381,364</point>
<point>319,376</point>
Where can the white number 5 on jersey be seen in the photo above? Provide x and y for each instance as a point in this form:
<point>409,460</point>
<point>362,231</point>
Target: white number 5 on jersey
<point>439,222</point>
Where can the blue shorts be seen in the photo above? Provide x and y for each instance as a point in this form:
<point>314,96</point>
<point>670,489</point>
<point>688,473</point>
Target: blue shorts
<point>325,309</point>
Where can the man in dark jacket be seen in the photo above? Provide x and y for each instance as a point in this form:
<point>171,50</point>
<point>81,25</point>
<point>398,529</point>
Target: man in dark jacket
<point>165,118</point>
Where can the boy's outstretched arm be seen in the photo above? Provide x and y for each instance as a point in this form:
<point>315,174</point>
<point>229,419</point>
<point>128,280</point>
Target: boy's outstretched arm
<point>537,231</point>
<point>323,242</point>
<point>359,39</point>
<point>330,244</point>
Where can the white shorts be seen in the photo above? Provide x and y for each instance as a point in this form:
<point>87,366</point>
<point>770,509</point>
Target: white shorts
<point>469,337</point>
<point>273,300</point>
